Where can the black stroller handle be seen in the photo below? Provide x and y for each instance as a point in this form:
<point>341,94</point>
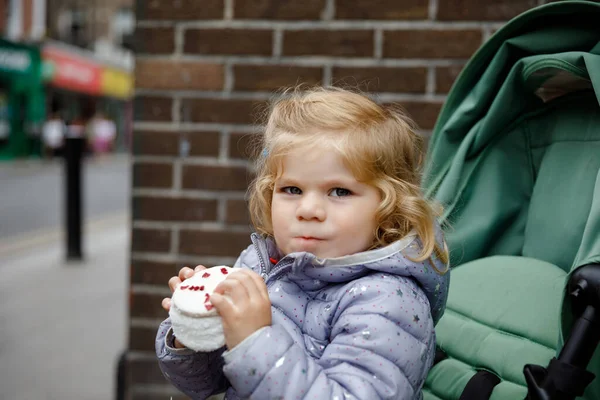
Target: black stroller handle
<point>566,377</point>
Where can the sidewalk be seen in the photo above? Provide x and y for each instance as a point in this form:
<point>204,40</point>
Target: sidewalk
<point>63,325</point>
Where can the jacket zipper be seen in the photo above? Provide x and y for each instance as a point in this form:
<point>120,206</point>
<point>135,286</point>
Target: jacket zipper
<point>268,273</point>
<point>275,272</point>
<point>263,267</point>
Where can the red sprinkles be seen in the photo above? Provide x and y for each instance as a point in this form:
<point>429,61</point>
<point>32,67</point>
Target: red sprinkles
<point>206,305</point>
<point>192,288</point>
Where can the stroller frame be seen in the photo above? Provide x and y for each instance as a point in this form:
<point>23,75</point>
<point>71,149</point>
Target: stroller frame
<point>565,378</point>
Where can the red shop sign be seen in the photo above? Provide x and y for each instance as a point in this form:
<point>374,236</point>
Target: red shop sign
<point>71,71</point>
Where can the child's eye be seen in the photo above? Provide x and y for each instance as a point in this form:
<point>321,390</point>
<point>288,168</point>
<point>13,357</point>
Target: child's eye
<point>291,190</point>
<point>340,192</point>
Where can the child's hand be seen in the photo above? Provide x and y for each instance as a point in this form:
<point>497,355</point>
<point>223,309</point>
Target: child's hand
<point>246,308</point>
<point>184,273</point>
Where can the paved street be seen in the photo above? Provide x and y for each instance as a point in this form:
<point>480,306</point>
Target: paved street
<point>62,326</point>
<point>33,192</point>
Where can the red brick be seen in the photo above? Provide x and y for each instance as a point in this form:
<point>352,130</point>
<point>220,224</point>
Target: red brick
<point>178,75</point>
<point>431,43</point>
<point>423,113</point>
<point>142,339</point>
<point>241,145</point>
<point>145,305</point>
<point>222,111</point>
<point>445,77</point>
<point>155,143</point>
<point>270,77</point>
<point>151,240</point>
<point>237,212</point>
<point>153,108</point>
<point>215,178</point>
<point>152,272</point>
<point>476,10</point>
<point>340,43</point>
<point>229,41</point>
<point>203,144</point>
<point>381,79</point>
<point>215,243</point>
<point>177,210</point>
<point>160,40</point>
<point>179,10</point>
<point>277,9</point>
<point>152,175</point>
<point>382,9</point>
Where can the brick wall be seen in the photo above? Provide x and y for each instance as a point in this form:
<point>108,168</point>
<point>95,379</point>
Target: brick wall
<point>203,68</point>
<point>4,4</point>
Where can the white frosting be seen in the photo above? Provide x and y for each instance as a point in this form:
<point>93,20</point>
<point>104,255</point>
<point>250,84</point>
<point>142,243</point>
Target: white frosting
<point>196,323</point>
<point>192,296</point>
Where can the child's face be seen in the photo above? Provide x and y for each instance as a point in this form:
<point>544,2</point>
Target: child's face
<point>319,207</point>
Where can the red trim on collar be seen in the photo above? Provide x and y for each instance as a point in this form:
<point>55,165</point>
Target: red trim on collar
<point>273,261</point>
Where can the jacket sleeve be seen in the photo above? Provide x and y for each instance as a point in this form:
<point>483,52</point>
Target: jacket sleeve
<point>198,375</point>
<point>381,346</point>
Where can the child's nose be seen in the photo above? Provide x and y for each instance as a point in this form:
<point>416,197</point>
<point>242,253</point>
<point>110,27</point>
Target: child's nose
<point>311,208</point>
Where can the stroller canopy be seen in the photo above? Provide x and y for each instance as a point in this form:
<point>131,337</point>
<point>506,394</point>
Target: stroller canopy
<point>539,61</point>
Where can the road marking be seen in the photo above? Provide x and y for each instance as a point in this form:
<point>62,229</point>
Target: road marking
<point>41,237</point>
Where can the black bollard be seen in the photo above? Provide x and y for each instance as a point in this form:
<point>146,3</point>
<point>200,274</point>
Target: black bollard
<point>74,147</point>
<point>121,382</point>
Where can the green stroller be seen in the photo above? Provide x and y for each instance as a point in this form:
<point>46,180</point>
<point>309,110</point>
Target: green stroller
<point>515,161</point>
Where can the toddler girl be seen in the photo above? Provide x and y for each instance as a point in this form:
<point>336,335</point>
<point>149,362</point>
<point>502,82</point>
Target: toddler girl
<point>346,275</point>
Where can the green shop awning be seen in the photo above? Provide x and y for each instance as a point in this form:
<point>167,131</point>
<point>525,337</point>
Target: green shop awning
<point>21,64</point>
<point>21,72</point>
<point>21,79</point>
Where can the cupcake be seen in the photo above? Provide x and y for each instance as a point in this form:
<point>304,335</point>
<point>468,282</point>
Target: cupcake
<point>196,323</point>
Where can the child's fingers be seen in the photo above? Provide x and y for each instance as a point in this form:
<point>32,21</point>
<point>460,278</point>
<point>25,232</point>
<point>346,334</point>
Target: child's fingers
<point>199,268</point>
<point>234,289</point>
<point>245,278</point>
<point>185,272</point>
<point>259,283</point>
<point>173,283</point>
<point>224,307</point>
<point>166,304</point>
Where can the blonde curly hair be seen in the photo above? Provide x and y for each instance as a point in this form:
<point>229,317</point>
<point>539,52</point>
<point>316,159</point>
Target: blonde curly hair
<point>377,143</point>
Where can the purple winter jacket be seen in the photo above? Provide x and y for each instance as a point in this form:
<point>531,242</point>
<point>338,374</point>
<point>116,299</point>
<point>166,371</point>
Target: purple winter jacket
<point>353,327</point>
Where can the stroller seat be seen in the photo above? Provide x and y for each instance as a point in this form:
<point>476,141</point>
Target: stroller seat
<point>515,160</point>
<point>498,339</point>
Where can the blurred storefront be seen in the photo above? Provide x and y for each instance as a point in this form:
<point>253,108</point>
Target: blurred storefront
<point>79,85</point>
<point>65,58</point>
<point>22,100</point>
